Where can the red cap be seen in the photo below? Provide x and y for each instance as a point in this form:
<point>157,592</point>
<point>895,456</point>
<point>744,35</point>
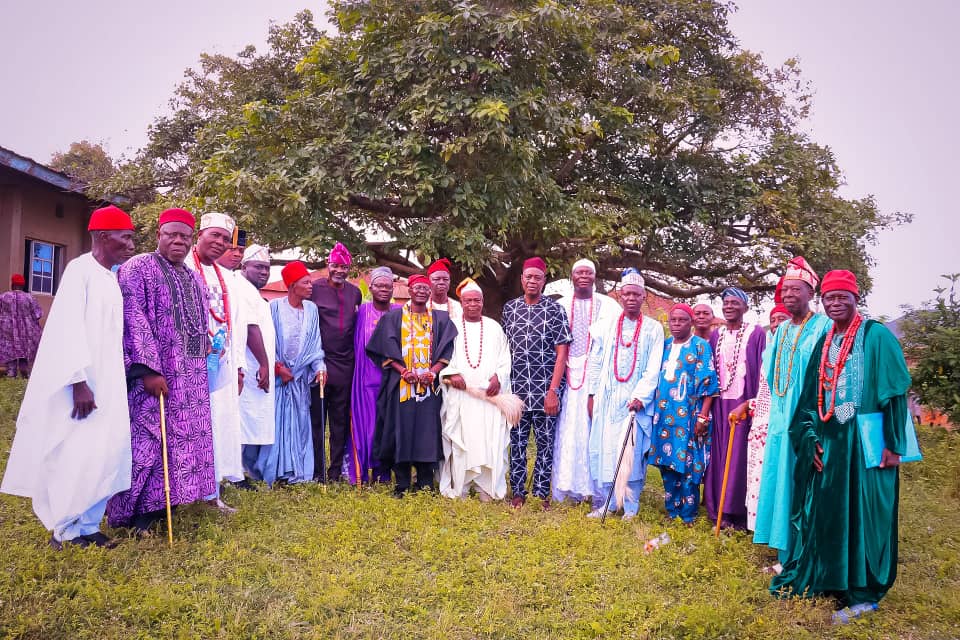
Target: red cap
<point>840,280</point>
<point>417,278</point>
<point>683,306</point>
<point>17,280</point>
<point>535,263</point>
<point>779,308</point>
<point>439,265</point>
<point>293,272</point>
<point>110,219</point>
<point>178,215</point>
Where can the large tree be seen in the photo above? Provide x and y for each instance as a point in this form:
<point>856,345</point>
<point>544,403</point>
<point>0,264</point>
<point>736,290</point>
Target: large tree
<point>86,161</point>
<point>638,133</point>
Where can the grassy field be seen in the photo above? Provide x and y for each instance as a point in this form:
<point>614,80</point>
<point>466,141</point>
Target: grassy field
<point>303,563</point>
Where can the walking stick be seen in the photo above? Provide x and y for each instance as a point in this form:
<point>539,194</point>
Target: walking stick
<point>166,469</point>
<point>356,456</point>
<point>323,439</point>
<point>616,472</point>
<point>726,471</point>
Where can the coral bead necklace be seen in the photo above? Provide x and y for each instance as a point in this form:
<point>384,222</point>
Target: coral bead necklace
<point>632,342</point>
<point>829,375</point>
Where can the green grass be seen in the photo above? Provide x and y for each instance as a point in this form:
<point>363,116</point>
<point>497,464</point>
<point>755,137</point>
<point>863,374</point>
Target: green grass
<point>301,563</point>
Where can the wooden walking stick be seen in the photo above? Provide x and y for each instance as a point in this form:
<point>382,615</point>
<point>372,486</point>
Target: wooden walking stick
<point>734,421</point>
<point>323,438</point>
<point>616,472</point>
<point>166,469</point>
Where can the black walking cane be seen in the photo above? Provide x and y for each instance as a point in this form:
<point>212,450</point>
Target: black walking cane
<point>616,472</point>
<point>323,439</point>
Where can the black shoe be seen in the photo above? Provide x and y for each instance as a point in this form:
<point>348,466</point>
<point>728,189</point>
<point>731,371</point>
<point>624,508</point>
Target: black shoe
<point>79,541</point>
<point>100,540</point>
<point>398,492</point>
<point>244,485</point>
<point>55,544</point>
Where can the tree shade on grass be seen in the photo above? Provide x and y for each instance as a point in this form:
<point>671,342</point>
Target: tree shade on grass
<point>301,563</point>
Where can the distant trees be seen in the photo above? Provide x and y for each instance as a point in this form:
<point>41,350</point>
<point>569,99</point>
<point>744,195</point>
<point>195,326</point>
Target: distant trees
<point>85,161</point>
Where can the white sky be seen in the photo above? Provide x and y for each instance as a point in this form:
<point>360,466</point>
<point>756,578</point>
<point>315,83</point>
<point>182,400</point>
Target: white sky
<point>883,72</point>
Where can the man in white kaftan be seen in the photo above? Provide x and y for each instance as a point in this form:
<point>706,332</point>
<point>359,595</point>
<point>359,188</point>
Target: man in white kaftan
<point>257,419</point>
<point>226,323</point>
<point>584,307</point>
<point>475,433</point>
<point>72,449</point>
<point>625,358</point>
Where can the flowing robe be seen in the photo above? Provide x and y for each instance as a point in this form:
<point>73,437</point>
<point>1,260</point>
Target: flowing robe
<point>165,332</point>
<point>681,389</point>
<point>611,418</point>
<point>844,519</point>
<point>772,526</point>
<point>363,399</point>
<point>476,436</point>
<point>20,315</point>
<point>408,431</point>
<point>451,306</point>
<point>224,385</point>
<point>742,380</point>
<point>290,457</point>
<point>571,465</point>
<point>65,465</point>
<point>257,424</point>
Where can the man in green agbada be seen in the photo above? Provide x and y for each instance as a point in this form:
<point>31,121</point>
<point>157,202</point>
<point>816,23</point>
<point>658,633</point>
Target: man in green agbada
<point>844,515</point>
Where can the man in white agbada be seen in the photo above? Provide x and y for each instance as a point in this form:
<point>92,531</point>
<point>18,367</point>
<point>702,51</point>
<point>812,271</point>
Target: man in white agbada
<point>72,449</point>
<point>226,323</point>
<point>625,358</point>
<point>476,436</point>
<point>257,421</point>
<point>584,307</point>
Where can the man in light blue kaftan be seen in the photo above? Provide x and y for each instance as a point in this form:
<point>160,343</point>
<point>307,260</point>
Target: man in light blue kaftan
<point>625,356</point>
<point>299,364</point>
<point>681,419</point>
<point>784,364</point>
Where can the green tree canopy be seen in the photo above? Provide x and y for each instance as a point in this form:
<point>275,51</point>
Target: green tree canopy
<point>85,161</point>
<point>637,133</point>
<point>931,341</point>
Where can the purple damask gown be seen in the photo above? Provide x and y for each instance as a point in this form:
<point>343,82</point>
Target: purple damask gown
<point>738,357</point>
<point>165,331</point>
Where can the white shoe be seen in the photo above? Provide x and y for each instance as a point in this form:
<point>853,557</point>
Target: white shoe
<point>599,512</point>
<point>222,507</point>
<point>627,517</point>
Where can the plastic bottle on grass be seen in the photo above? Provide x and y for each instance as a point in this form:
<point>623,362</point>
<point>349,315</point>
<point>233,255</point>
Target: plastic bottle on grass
<point>656,543</point>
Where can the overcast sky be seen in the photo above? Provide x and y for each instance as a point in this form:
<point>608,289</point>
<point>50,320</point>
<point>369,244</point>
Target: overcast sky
<point>883,71</point>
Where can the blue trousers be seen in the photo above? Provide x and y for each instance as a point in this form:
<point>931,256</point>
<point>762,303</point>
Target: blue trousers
<point>85,524</point>
<point>681,495</point>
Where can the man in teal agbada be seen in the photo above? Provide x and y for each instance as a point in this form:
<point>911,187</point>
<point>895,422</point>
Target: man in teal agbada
<point>784,364</point>
<point>844,515</point>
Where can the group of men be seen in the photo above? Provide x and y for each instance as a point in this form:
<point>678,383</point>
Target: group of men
<point>180,341</point>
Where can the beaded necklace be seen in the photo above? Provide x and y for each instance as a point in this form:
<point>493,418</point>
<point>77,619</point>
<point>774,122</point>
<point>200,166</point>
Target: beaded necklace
<point>731,367</point>
<point>573,311</point>
<point>781,390</point>
<point>223,289</point>
<point>466,346</point>
<point>828,382</point>
<point>633,342</point>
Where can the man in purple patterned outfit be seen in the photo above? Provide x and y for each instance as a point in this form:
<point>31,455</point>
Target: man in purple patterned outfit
<point>165,347</point>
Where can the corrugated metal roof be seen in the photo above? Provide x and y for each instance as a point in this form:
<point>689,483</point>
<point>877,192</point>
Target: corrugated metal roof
<point>34,169</point>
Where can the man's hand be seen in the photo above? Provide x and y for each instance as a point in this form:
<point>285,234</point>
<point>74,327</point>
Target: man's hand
<point>240,377</point>
<point>635,405</point>
<point>818,458</point>
<point>493,386</point>
<point>284,373</point>
<point>410,377</point>
<point>551,403</point>
<point>426,379</point>
<point>155,384</point>
<point>457,381</point>
<point>887,458</point>
<point>739,413</point>
<point>263,378</point>
<point>83,404</point>
<point>321,378</point>
<point>590,407</point>
<point>702,426</point>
